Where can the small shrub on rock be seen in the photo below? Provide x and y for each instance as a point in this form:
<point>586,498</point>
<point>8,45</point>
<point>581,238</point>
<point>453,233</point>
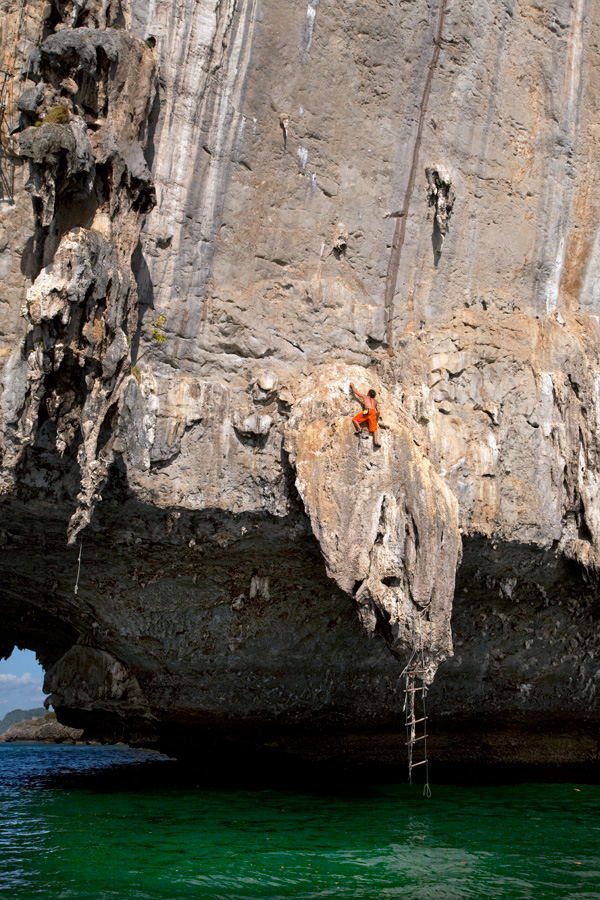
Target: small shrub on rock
<point>56,115</point>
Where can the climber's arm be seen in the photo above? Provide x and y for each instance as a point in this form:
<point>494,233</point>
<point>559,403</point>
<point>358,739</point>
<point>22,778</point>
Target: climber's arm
<point>358,394</point>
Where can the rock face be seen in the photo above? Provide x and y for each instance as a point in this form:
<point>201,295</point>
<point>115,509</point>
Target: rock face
<point>90,185</point>
<point>233,210</point>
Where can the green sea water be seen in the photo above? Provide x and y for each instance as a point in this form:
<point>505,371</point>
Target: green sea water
<point>66,834</point>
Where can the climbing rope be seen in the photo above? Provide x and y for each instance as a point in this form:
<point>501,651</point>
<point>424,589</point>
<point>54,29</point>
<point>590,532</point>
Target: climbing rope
<point>7,74</point>
<point>76,588</point>
<point>8,70</point>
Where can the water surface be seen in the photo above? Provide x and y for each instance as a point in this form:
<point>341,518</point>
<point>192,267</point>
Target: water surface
<point>82,838</point>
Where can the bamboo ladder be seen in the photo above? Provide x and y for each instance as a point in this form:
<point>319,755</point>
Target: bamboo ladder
<point>415,691</point>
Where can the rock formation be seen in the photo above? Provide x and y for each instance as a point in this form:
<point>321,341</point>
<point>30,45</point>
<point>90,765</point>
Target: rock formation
<point>46,730</point>
<point>90,185</point>
<point>222,214</point>
<point>387,525</point>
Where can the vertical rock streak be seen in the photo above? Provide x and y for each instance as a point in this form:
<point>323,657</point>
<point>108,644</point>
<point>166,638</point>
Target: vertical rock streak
<point>199,126</point>
<point>560,182</point>
<point>187,49</point>
<point>225,128</point>
<point>400,228</point>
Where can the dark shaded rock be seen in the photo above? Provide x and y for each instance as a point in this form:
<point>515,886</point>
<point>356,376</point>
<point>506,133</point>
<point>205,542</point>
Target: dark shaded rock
<point>49,145</point>
<point>78,50</point>
<point>30,99</point>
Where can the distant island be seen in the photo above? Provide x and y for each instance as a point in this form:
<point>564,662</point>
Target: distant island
<point>25,725</point>
<point>20,715</point>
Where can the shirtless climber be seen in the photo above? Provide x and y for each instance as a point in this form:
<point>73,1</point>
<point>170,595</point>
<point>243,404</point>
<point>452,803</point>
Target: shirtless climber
<point>369,413</point>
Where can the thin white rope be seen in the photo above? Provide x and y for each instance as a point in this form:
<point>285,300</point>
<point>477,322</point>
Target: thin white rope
<point>78,568</point>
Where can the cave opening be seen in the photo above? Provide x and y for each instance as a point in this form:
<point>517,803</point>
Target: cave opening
<point>31,642</point>
<point>21,684</point>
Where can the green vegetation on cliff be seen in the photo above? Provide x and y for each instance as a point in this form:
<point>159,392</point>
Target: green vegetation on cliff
<point>20,715</point>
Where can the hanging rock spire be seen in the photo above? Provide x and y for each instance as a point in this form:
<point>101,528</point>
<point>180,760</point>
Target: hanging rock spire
<point>386,522</point>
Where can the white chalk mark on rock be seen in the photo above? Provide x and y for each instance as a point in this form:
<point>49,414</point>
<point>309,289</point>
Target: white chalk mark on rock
<point>302,157</point>
<point>311,14</point>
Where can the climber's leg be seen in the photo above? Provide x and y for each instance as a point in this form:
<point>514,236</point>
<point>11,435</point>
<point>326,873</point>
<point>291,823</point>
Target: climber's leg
<point>357,421</point>
<point>372,417</point>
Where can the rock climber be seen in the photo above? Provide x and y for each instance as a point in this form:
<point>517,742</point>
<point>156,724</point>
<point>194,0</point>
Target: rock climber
<point>369,413</point>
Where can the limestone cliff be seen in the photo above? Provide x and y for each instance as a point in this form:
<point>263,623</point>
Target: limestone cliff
<point>219,215</point>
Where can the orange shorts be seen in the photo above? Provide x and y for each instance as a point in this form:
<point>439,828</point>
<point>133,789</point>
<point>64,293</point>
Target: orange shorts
<point>371,418</point>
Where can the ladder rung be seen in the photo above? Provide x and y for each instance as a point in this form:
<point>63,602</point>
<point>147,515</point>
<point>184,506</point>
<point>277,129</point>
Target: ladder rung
<point>415,721</point>
<point>413,690</point>
<point>414,740</point>
<point>422,763</point>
